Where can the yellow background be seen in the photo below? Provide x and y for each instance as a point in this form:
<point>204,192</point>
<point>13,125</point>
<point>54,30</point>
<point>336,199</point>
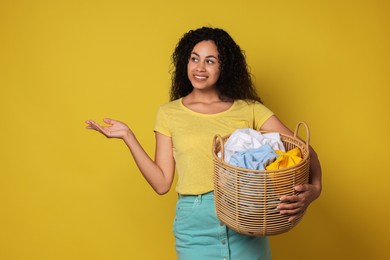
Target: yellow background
<point>69,193</point>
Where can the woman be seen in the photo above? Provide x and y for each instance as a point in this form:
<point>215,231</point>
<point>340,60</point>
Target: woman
<point>212,93</point>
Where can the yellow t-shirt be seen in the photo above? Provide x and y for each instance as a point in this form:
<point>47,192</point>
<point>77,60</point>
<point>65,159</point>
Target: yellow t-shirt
<point>192,136</point>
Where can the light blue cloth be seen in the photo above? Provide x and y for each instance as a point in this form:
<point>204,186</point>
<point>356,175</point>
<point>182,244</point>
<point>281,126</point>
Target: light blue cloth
<point>255,158</point>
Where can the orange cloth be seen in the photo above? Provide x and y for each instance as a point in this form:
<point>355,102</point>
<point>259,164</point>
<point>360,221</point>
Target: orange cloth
<point>286,159</point>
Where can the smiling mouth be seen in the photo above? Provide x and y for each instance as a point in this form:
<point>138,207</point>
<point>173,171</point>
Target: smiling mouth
<point>200,77</point>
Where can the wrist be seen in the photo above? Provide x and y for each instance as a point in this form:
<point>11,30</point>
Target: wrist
<point>129,137</point>
<point>317,190</point>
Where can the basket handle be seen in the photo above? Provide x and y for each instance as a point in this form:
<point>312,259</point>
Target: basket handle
<point>218,139</point>
<point>307,132</point>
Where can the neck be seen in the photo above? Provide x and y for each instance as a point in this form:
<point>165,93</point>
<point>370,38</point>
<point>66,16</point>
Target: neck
<point>204,96</point>
<point>203,103</point>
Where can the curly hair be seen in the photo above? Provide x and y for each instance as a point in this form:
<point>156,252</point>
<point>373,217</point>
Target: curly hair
<point>235,81</point>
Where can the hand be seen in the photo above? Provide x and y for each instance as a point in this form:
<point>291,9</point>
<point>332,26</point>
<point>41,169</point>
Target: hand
<point>115,129</point>
<point>296,205</point>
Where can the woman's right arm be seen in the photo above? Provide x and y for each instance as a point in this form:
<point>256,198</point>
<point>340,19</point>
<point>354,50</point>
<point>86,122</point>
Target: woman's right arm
<point>159,173</point>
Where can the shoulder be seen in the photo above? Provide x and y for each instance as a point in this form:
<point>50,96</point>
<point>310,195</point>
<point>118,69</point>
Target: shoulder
<point>170,109</point>
<point>254,108</point>
<point>172,104</point>
<point>251,104</point>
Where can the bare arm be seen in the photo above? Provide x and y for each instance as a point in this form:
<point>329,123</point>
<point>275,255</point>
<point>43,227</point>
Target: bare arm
<point>296,205</point>
<point>159,172</point>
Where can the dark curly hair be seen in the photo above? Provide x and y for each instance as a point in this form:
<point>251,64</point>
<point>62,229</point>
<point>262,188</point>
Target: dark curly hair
<point>235,81</point>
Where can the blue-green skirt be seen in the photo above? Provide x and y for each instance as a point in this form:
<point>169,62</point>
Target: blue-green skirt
<point>199,235</point>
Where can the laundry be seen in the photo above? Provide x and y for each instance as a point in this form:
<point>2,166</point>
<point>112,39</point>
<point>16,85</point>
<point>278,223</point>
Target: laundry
<point>286,159</point>
<point>252,189</point>
<point>247,138</point>
<point>250,149</point>
<point>255,158</point>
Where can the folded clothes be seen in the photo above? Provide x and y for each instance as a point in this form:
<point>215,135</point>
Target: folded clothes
<point>255,158</point>
<point>247,138</point>
<point>286,159</point>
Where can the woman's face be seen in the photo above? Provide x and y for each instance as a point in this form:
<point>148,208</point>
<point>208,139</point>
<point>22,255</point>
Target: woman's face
<point>203,67</point>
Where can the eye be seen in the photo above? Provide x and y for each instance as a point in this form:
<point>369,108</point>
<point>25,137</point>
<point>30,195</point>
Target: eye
<point>194,59</point>
<point>210,62</point>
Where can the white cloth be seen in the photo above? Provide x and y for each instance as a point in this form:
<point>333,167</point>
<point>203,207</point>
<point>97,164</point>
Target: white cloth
<point>247,138</point>
<point>242,140</point>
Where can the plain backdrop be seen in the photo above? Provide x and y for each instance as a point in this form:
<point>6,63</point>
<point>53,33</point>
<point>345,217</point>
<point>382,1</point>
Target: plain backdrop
<point>69,193</point>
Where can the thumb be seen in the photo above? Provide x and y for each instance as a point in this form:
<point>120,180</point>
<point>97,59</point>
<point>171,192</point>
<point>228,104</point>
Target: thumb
<point>108,121</point>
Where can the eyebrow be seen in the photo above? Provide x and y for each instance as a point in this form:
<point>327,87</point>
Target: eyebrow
<point>209,56</point>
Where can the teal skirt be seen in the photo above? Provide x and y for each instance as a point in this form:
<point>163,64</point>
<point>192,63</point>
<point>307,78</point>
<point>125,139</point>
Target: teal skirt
<point>200,235</point>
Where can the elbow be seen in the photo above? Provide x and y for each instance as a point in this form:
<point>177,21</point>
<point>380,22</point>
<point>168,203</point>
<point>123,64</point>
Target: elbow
<point>162,190</point>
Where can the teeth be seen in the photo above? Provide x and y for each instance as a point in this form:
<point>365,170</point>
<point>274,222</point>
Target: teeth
<point>200,77</point>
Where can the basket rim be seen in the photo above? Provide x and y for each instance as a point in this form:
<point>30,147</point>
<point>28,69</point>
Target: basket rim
<point>303,145</point>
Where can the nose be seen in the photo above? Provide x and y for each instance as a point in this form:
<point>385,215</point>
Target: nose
<point>200,66</point>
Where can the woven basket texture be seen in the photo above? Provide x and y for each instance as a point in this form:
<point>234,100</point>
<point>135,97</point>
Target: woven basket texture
<point>246,200</point>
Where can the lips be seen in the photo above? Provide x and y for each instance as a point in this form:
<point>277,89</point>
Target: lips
<point>199,77</point>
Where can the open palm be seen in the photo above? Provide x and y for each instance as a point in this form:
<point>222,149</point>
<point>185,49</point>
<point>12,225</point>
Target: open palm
<point>113,129</point>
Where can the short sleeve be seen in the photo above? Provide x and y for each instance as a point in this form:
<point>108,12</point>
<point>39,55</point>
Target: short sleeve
<point>161,123</point>
<point>260,114</point>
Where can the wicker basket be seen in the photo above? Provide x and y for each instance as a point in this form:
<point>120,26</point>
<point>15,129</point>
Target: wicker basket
<point>246,200</point>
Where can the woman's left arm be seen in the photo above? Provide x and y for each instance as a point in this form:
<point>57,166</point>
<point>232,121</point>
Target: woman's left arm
<point>296,205</point>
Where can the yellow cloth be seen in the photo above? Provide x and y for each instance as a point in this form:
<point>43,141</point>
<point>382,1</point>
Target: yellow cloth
<point>192,136</point>
<point>286,159</point>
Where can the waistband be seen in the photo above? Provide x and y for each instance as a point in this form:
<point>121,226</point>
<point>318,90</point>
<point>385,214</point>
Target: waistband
<point>205,196</point>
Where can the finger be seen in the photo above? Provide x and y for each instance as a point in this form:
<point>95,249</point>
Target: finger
<point>292,212</point>
<point>288,206</point>
<point>90,124</point>
<point>95,126</point>
<point>289,199</point>
<point>295,217</point>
